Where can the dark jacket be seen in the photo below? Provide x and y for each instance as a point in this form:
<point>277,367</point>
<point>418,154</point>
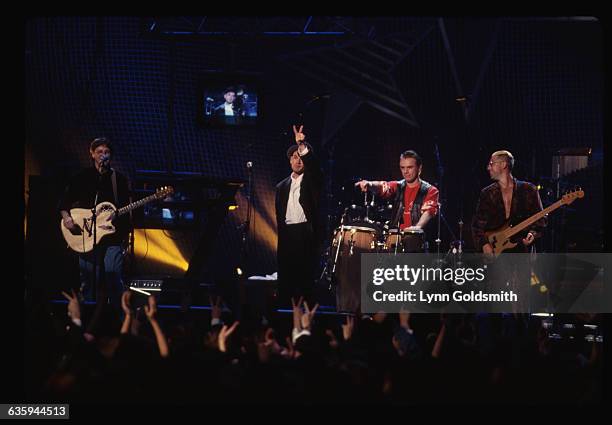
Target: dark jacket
<point>490,213</point>
<point>310,193</point>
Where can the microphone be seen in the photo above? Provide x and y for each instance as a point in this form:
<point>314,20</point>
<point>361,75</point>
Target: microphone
<point>104,160</point>
<point>249,164</point>
<point>210,99</point>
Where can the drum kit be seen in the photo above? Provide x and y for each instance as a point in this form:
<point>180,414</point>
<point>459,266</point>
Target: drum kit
<point>362,230</point>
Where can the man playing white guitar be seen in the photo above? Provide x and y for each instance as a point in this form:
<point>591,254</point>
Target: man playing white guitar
<point>90,187</point>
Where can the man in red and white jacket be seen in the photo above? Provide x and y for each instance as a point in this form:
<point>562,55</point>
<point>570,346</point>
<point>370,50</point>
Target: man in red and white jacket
<point>416,201</point>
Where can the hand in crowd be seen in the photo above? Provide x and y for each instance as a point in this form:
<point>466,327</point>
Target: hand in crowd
<point>125,306</point>
<point>224,333</point>
<point>215,309</point>
<point>151,309</point>
<point>437,348</point>
<point>444,319</point>
<point>126,298</point>
<point>74,309</point>
<point>270,341</point>
<point>308,316</point>
<point>268,346</point>
<point>289,351</point>
<point>347,329</point>
<point>297,313</point>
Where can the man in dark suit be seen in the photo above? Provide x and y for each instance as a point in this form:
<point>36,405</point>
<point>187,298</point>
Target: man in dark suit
<point>297,209</point>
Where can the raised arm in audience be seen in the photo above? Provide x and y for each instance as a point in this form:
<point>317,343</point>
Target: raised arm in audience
<point>151,311</point>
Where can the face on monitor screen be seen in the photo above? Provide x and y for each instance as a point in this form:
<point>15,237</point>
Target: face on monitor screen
<point>228,102</point>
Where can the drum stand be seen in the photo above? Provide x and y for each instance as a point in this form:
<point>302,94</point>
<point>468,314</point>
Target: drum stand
<point>456,248</point>
<point>332,274</point>
<point>460,244</point>
<point>438,241</point>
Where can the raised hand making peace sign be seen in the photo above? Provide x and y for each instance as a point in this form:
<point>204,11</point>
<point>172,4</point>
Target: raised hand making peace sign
<point>299,136</point>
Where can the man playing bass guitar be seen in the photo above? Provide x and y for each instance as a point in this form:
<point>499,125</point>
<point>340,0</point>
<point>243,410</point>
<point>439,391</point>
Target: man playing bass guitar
<point>506,201</point>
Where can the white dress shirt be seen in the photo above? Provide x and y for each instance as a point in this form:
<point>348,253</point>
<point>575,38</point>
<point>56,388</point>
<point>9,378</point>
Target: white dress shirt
<point>295,212</point>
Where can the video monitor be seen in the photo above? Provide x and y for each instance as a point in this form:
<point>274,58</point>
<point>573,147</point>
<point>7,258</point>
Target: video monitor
<point>228,100</point>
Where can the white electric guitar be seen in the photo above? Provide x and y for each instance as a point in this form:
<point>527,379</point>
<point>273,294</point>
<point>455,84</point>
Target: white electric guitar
<point>81,240</point>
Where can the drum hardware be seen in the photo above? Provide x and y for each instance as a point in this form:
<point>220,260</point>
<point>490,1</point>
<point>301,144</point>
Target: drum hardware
<point>455,250</point>
<point>339,243</point>
<point>460,243</point>
<point>438,240</point>
<point>366,205</point>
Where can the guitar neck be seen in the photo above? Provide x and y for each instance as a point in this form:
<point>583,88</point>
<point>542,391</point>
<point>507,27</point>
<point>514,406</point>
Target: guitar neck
<point>523,224</point>
<point>137,204</point>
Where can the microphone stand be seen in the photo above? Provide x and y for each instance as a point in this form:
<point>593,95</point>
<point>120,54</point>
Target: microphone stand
<point>95,281</point>
<point>441,217</point>
<point>245,228</point>
<point>247,222</point>
<point>104,168</point>
<point>94,216</point>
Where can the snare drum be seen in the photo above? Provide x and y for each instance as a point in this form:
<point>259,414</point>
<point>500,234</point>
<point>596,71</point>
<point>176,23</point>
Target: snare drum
<point>401,241</point>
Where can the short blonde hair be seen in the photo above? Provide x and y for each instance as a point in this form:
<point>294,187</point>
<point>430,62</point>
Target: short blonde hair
<point>507,156</point>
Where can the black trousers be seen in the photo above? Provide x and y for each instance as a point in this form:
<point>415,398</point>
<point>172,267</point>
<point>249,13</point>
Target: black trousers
<point>297,259</point>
